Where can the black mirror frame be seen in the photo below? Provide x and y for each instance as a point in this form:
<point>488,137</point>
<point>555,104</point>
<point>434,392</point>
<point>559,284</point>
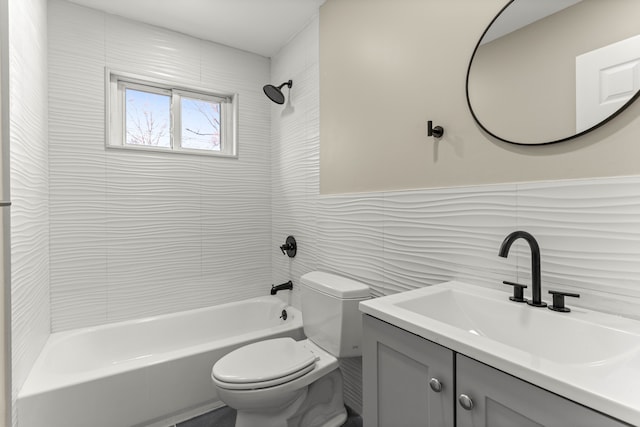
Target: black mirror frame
<point>473,55</point>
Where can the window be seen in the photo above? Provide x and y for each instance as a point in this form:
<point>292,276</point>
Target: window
<point>149,114</point>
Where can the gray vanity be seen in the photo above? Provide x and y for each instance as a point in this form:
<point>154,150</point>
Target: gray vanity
<point>459,355</point>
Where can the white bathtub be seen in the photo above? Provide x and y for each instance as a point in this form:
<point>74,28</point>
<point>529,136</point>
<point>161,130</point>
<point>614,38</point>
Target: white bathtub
<point>153,371</point>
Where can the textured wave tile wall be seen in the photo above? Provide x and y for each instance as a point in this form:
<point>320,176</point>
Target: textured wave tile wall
<point>588,231</point>
<point>77,164</point>
<point>589,234</point>
<point>351,238</point>
<point>30,321</point>
<point>438,235</point>
<point>294,157</point>
<point>399,241</point>
<point>137,233</point>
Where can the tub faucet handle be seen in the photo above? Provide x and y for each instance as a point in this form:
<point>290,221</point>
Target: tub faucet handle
<point>290,247</point>
<point>284,248</point>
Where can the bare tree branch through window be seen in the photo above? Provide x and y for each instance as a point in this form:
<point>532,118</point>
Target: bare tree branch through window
<point>147,118</point>
<point>200,124</point>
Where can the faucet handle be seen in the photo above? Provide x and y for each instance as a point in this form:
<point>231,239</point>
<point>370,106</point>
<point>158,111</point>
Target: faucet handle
<point>290,247</point>
<point>518,291</point>
<point>558,301</point>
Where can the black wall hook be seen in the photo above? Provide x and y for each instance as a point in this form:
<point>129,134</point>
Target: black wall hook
<point>436,132</point>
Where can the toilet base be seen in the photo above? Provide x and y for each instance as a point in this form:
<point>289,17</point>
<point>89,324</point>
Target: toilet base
<point>320,405</point>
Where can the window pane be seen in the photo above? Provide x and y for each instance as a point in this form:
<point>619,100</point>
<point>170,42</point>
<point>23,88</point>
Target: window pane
<point>200,124</point>
<point>148,118</point>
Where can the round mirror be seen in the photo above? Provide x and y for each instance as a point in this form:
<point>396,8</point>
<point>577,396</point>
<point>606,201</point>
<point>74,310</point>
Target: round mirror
<point>546,71</point>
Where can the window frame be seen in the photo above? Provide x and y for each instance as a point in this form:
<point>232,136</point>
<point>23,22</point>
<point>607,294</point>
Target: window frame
<point>115,133</point>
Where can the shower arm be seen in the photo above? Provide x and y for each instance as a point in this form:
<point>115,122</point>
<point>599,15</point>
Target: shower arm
<point>287,84</point>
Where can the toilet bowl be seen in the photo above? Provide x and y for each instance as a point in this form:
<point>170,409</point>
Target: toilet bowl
<point>281,382</point>
<point>286,383</point>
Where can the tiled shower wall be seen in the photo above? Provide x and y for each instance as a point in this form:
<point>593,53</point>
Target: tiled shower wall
<point>138,233</point>
<point>588,230</point>
<point>28,184</point>
<point>295,142</point>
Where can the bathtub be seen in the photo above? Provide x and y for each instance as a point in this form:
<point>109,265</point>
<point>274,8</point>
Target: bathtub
<point>154,371</point>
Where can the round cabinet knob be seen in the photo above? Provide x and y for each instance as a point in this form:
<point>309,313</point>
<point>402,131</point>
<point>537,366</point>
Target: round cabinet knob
<point>465,402</point>
<point>435,385</point>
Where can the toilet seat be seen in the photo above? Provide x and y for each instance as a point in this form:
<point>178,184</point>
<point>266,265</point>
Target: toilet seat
<point>264,364</point>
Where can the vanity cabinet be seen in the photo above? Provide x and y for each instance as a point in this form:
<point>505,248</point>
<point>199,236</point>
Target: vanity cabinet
<point>398,372</point>
<point>501,400</point>
<point>397,368</point>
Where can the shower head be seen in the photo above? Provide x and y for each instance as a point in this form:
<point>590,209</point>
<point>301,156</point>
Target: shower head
<point>275,93</point>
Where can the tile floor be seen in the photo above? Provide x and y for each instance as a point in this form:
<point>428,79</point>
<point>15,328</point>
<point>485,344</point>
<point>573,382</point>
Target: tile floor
<point>226,417</point>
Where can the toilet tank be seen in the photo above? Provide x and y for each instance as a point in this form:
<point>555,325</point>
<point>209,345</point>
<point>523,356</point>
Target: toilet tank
<point>330,315</point>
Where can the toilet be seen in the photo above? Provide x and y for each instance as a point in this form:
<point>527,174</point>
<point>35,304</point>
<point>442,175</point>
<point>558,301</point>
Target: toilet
<point>285,383</point>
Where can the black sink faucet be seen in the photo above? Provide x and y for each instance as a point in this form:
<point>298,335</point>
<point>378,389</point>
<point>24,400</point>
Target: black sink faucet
<point>536,284</point>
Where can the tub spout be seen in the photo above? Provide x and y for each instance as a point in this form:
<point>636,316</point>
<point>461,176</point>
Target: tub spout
<point>287,285</point>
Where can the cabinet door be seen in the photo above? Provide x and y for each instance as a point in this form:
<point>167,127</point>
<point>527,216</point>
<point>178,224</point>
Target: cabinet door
<point>501,400</point>
<point>397,368</point>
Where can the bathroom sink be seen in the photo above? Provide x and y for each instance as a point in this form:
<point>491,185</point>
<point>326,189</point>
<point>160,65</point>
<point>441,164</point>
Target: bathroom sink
<point>486,317</point>
<point>587,356</point>
<point>565,338</point>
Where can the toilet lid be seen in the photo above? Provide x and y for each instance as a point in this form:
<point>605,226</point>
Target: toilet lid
<point>264,361</point>
<point>263,384</point>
